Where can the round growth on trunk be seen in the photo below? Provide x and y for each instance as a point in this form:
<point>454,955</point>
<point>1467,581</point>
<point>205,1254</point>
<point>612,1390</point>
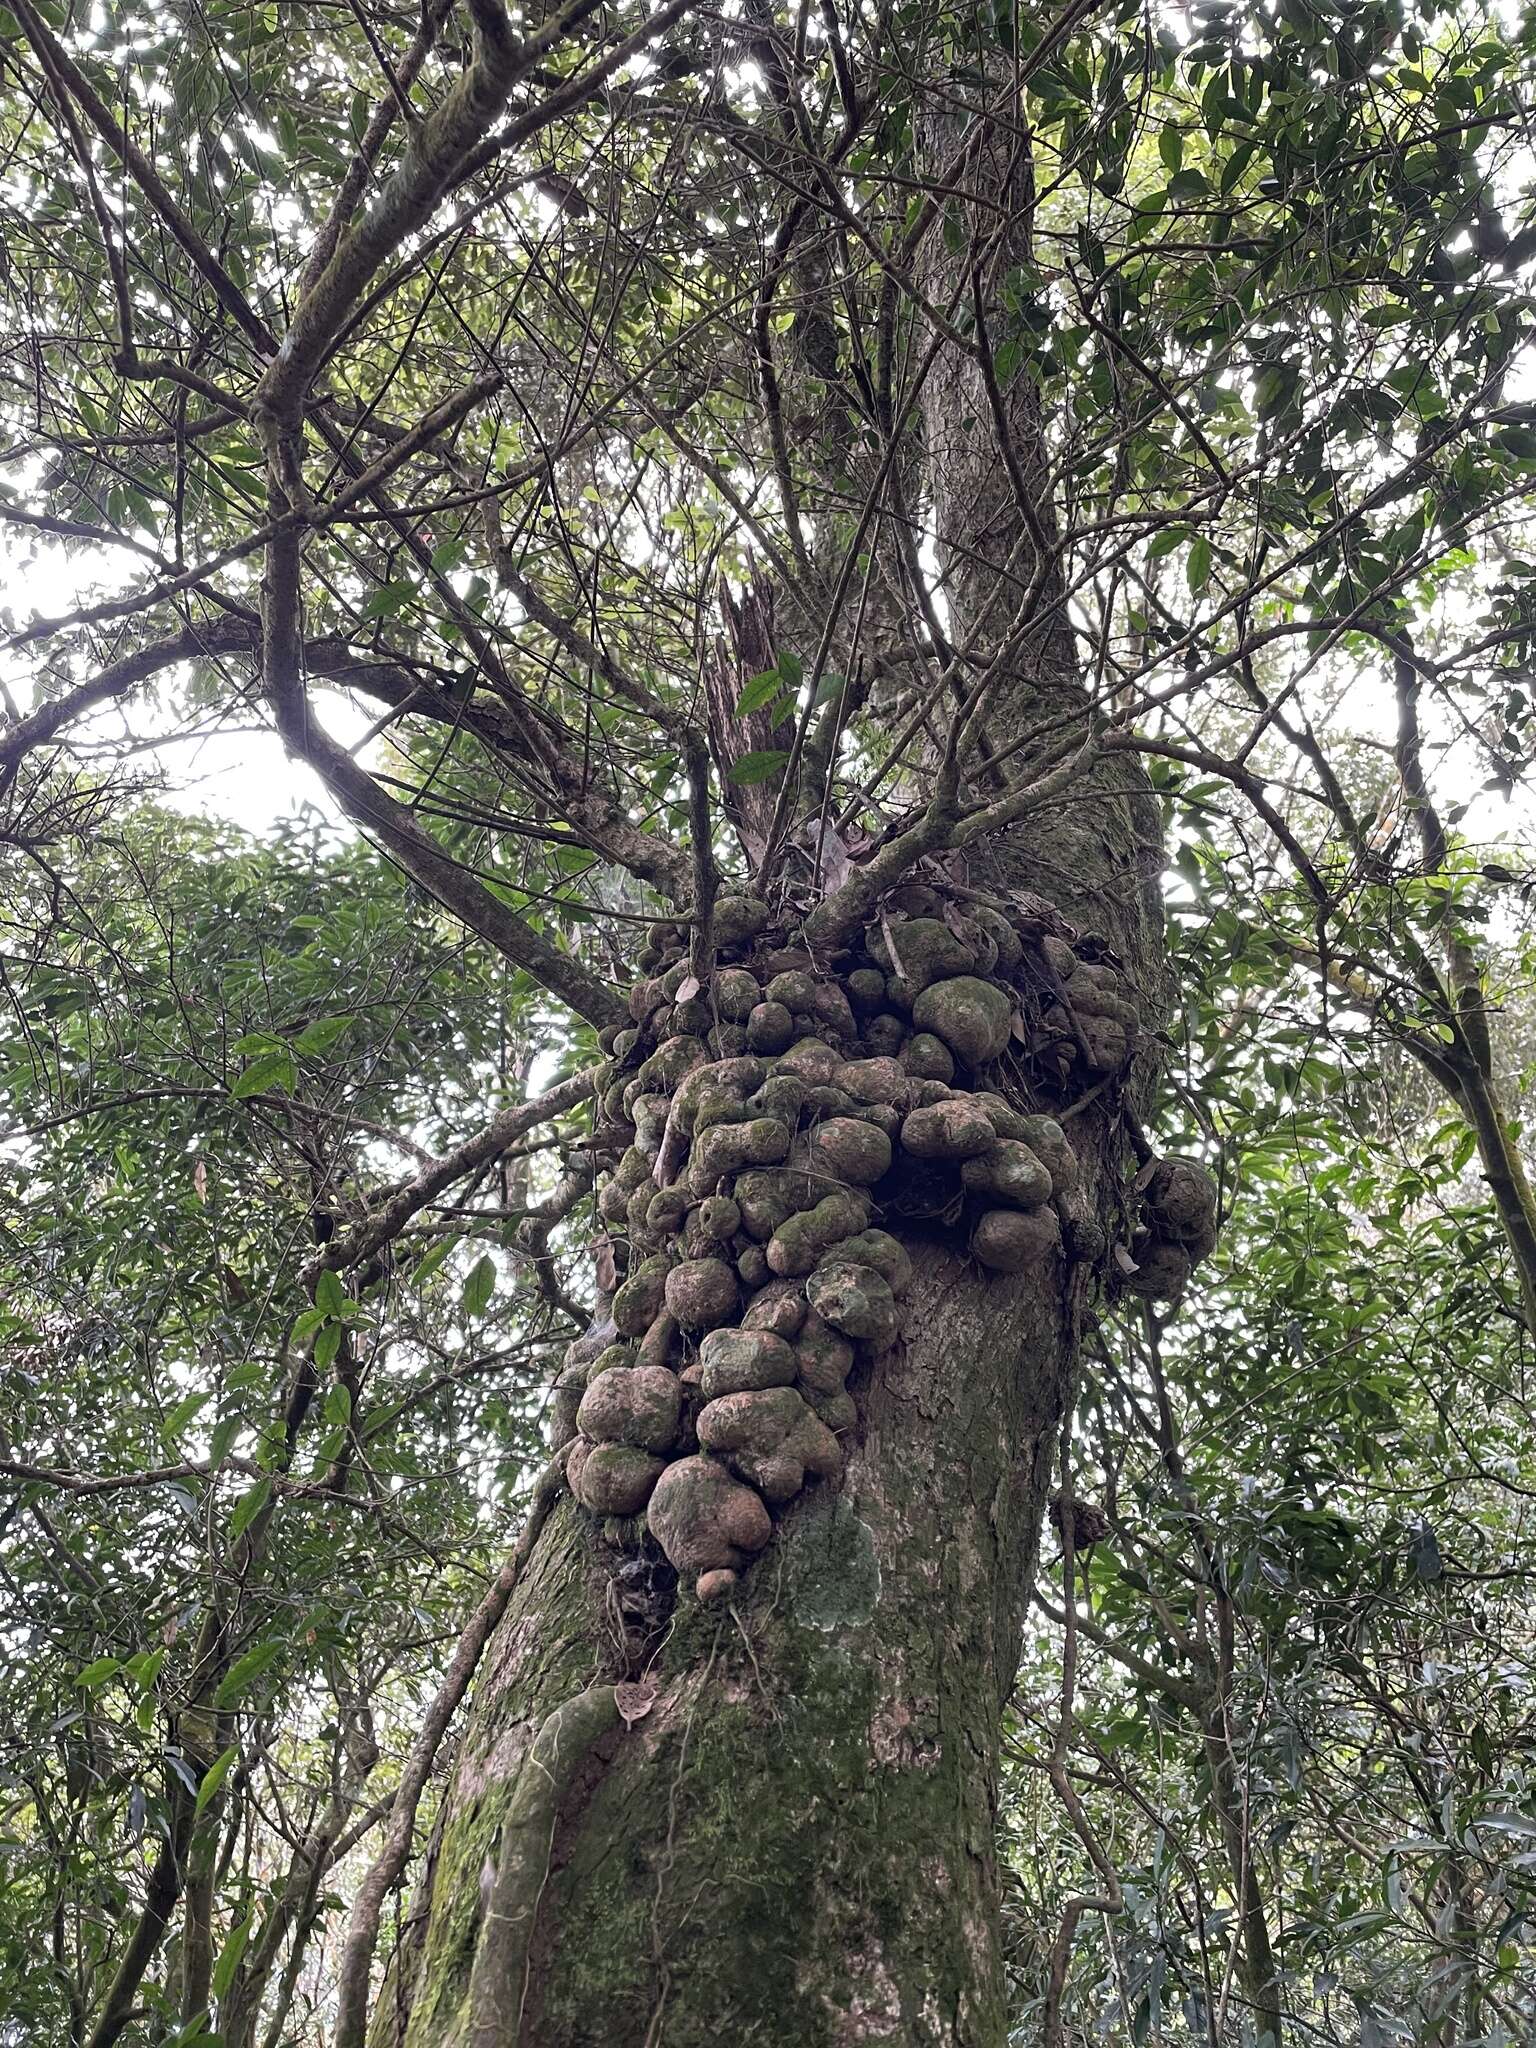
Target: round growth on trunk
<point>779,1126</point>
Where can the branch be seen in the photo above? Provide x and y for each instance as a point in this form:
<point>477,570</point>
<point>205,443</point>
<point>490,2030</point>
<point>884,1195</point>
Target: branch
<point>225,636</point>
<point>1178,1690</point>
<point>706,876</point>
<point>363,1927</point>
<point>605,826</point>
<point>160,1898</point>
<point>443,877</point>
<point>838,916</point>
<point>383,118</point>
<point>433,160</point>
<point>413,1196</point>
<point>53,57</point>
<point>368,806</point>
<point>99,1482</point>
<point>1252,786</point>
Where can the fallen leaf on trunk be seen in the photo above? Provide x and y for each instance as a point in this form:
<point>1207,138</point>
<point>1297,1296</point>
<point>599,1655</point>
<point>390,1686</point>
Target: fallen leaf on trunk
<point>634,1700</point>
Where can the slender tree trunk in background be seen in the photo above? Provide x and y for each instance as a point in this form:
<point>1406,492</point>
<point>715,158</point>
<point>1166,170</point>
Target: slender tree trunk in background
<point>793,1840</point>
<point>1257,1972</point>
<point>196,1961</point>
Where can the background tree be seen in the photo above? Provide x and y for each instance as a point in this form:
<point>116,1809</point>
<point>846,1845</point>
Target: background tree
<point>744,486</point>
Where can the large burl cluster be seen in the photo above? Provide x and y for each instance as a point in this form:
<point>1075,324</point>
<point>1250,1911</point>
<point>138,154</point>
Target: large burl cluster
<point>1175,1230</point>
<point>780,1114</point>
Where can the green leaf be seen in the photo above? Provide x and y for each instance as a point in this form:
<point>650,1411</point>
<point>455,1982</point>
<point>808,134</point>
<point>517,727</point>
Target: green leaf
<point>231,1954</point>
<point>322,1034</point>
<point>1197,569</point>
<point>97,1673</point>
<point>388,600</point>
<point>144,1669</point>
<point>1236,164</point>
<point>244,1672</point>
<point>327,1449</point>
<point>257,1041</point>
<point>757,767</point>
<point>760,691</point>
<point>435,1258</point>
<point>248,1507</point>
<point>1166,540</point>
<point>327,1344</point>
<point>267,1073</point>
<point>479,1286</point>
<point>213,1778</point>
<point>1170,147</point>
<point>188,1406</point>
<point>329,1298</point>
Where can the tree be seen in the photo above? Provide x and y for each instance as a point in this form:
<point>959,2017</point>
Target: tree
<point>1297,1572</point>
<point>799,500</point>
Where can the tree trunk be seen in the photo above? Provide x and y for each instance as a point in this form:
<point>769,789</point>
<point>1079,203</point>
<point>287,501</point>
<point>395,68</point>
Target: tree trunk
<point>680,1822</point>
<point>780,1827</point>
<point>795,1842</point>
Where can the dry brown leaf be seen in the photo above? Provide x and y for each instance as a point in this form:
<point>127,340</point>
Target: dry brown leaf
<point>634,1700</point>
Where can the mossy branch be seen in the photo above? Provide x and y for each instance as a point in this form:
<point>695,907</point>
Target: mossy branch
<point>497,1980</point>
<point>363,1927</point>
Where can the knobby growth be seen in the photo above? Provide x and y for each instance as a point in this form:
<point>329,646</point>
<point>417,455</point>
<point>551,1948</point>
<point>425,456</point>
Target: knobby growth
<point>777,1116</point>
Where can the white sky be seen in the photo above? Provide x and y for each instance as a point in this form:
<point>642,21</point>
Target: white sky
<point>247,775</point>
